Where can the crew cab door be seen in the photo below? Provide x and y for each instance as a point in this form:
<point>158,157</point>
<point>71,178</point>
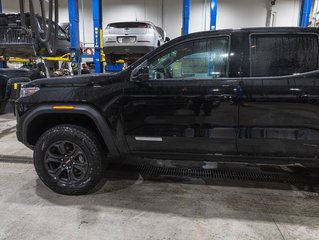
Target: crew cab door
<point>278,111</point>
<point>182,101</point>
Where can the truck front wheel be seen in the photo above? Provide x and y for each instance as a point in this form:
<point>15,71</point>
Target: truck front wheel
<point>69,159</point>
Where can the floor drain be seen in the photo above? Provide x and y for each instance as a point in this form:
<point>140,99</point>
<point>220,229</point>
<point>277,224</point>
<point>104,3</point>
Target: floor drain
<point>16,159</point>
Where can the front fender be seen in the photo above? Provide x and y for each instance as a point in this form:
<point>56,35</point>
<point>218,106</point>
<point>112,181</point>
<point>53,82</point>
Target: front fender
<point>82,109</point>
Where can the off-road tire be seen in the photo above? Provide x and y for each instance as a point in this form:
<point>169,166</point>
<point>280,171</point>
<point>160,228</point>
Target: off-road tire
<point>88,143</point>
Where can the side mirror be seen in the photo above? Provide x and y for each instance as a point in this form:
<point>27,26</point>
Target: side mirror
<point>167,39</point>
<point>141,75</point>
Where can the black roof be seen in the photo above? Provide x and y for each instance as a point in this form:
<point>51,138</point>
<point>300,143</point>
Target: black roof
<point>291,30</point>
<point>254,30</point>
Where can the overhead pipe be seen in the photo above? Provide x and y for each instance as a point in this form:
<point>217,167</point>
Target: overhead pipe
<point>186,14</point>
<point>213,14</point>
<point>22,14</point>
<point>271,15</point>
<point>305,13</point>
<point>42,31</point>
<point>205,15</point>
<point>162,12</point>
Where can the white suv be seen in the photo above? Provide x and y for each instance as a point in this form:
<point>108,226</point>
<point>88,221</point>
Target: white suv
<point>131,40</point>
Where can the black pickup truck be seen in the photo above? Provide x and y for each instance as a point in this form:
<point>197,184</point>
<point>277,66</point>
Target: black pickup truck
<point>10,82</point>
<point>245,96</point>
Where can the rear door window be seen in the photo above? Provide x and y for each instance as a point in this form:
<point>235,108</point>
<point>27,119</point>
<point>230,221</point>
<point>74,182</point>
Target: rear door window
<point>283,54</point>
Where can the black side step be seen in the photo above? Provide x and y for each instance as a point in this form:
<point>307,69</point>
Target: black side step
<point>307,162</point>
<point>229,174</point>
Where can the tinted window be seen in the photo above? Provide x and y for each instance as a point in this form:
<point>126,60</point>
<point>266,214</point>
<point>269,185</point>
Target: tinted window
<point>203,59</point>
<point>128,25</point>
<point>279,54</point>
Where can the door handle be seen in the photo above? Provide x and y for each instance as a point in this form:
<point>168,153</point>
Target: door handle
<point>295,90</point>
<point>215,91</point>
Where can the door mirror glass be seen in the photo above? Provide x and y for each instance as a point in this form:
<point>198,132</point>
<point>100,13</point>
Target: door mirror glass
<point>140,74</point>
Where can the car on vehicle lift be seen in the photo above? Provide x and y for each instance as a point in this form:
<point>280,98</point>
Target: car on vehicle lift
<point>131,40</point>
<point>239,96</point>
<point>15,41</point>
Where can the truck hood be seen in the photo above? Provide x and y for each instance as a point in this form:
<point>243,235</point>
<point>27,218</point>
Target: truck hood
<point>76,81</point>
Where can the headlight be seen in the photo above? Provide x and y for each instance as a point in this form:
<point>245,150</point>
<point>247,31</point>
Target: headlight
<point>25,92</point>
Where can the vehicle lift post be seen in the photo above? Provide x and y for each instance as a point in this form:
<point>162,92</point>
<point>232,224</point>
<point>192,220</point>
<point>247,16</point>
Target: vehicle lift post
<point>76,53</point>
<point>97,26</point>
<point>305,10</point>
<point>186,13</point>
<point>213,14</point>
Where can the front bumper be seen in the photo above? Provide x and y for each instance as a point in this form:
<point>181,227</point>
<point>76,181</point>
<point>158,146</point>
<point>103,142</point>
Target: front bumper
<point>19,127</point>
<point>21,115</point>
<point>19,133</point>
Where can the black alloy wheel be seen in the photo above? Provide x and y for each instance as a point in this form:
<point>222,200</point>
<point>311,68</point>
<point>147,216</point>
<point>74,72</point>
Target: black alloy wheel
<point>70,159</point>
<point>66,162</point>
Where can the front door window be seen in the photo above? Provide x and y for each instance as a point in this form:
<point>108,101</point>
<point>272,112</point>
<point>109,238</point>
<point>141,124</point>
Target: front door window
<point>199,59</point>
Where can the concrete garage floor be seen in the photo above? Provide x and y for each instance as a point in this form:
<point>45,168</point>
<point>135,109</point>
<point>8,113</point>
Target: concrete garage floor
<point>135,208</point>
